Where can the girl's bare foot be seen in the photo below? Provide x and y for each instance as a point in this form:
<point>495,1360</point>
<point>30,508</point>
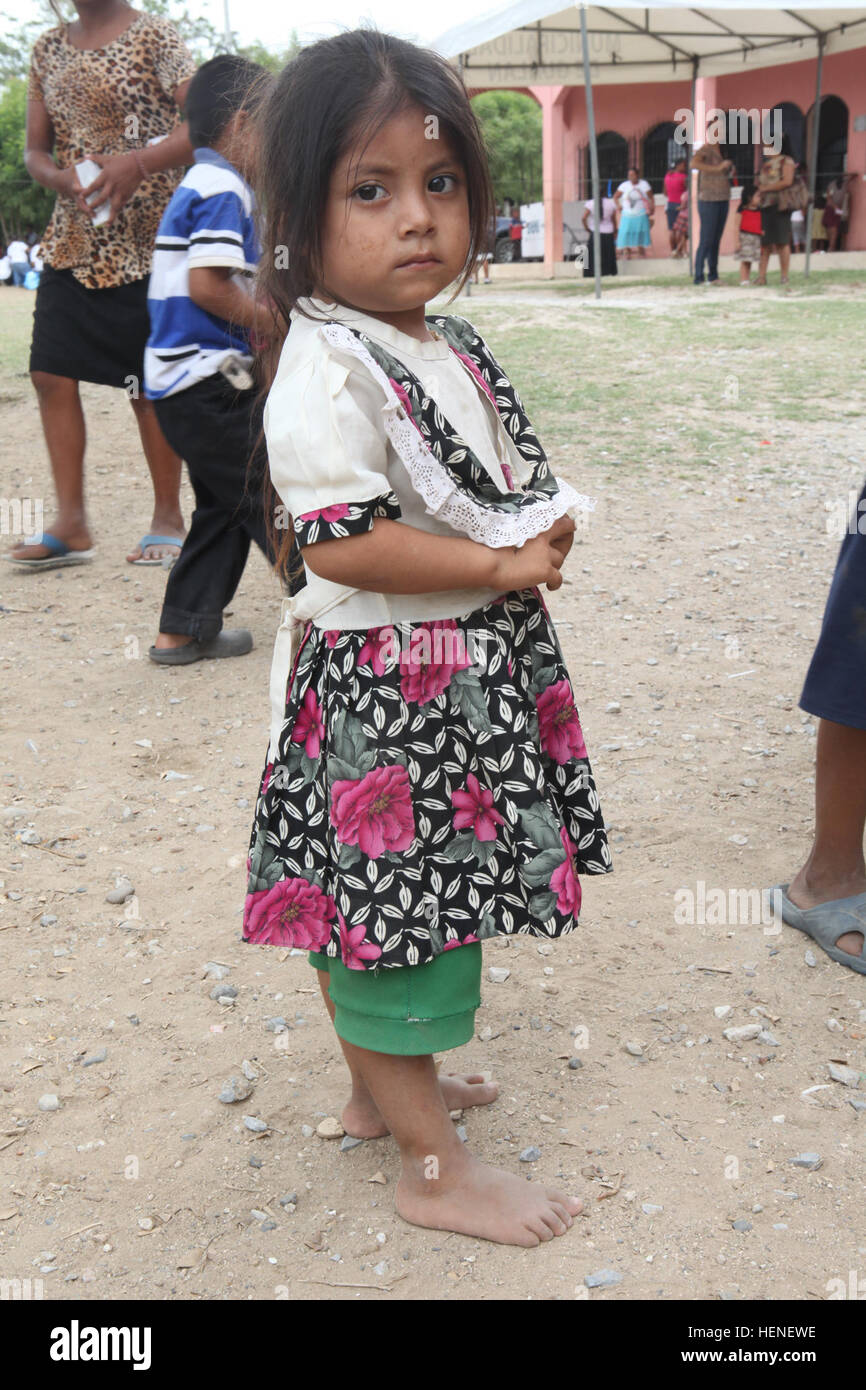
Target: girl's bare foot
<point>362,1119</point>
<point>473,1199</point>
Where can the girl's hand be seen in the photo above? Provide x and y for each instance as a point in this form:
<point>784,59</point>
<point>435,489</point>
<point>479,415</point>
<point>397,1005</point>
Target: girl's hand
<point>116,184</point>
<point>537,561</point>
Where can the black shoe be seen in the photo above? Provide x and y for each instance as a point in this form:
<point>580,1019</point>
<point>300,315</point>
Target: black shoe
<point>224,644</point>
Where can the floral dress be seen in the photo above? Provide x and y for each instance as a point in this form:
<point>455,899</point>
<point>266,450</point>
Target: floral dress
<point>427,782</point>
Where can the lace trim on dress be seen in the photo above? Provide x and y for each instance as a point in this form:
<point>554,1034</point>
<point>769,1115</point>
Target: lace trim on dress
<point>443,498</point>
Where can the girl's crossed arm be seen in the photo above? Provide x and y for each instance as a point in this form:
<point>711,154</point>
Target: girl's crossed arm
<point>394,558</point>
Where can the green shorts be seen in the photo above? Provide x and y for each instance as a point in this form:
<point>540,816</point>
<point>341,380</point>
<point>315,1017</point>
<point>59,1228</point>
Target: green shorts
<point>410,1010</point>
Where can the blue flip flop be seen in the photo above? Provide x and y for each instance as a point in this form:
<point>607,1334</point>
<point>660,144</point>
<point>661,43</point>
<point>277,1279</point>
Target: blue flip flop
<point>61,557</point>
<point>153,539</point>
<point>827,922</point>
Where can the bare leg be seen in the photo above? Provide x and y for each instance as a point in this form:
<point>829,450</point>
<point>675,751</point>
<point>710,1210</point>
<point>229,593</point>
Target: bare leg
<point>835,867</point>
<point>361,1116</point>
<point>762,267</point>
<point>65,438</point>
<point>442,1186</point>
<point>165,470</point>
<point>784,262</point>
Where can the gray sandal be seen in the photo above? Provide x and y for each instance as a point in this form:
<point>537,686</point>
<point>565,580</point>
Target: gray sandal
<point>827,922</point>
<point>236,643</point>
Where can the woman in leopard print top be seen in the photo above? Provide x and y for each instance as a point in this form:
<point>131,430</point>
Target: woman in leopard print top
<point>108,87</point>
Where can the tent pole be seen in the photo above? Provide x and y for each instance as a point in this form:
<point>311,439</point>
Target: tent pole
<point>691,178</point>
<point>813,155</point>
<point>593,155</point>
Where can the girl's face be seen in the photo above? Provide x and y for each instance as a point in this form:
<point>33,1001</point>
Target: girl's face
<point>396,225</point>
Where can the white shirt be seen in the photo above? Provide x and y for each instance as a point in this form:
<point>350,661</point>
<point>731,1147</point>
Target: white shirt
<point>35,258</point>
<point>328,443</point>
<point>18,251</point>
<point>632,196</point>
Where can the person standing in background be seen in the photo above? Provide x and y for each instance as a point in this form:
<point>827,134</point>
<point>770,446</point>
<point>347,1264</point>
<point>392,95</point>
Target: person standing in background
<point>607,236</point>
<point>19,260</point>
<point>107,86</point>
<point>634,205</point>
<point>836,209</point>
<point>714,197</point>
<point>775,180</point>
<point>675,182</point>
<point>516,233</point>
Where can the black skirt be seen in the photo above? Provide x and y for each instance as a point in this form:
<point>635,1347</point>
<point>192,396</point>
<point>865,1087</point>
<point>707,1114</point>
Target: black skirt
<point>776,225</point>
<point>608,255</point>
<point>90,335</point>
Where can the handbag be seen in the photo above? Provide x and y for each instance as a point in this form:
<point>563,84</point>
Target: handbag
<point>793,198</point>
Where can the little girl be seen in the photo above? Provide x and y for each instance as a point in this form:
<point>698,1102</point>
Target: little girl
<point>749,245</point>
<point>427,785</point>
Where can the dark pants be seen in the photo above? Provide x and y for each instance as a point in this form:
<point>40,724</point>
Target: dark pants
<point>214,427</point>
<point>713,219</point>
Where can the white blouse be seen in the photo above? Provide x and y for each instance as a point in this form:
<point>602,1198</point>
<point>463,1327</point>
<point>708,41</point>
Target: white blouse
<point>336,433</point>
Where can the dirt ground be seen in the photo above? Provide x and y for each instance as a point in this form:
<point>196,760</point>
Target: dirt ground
<point>688,618</point>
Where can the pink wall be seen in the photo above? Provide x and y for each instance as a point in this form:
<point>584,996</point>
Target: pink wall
<point>632,111</point>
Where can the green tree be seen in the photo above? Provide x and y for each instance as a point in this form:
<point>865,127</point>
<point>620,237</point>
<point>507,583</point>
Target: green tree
<point>511,124</point>
<point>23,203</point>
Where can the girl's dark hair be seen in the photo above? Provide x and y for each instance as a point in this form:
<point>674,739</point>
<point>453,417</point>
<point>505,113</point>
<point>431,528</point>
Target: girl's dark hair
<point>331,98</point>
<point>746,195</point>
<point>220,88</point>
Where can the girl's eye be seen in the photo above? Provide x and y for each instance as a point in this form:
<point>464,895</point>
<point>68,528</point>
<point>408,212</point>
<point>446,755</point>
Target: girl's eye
<point>442,183</point>
<point>370,192</point>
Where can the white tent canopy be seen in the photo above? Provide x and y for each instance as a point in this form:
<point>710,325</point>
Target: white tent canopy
<point>532,42</point>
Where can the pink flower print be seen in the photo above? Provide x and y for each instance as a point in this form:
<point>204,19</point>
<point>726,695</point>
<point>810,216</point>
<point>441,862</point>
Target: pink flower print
<point>336,512</point>
<point>375,648</point>
<point>436,650</point>
<point>558,724</point>
<point>455,941</point>
<point>292,913</point>
<point>564,881</point>
<point>510,664</point>
<point>374,812</point>
<point>267,778</point>
<point>508,476</point>
<point>332,636</point>
<point>309,726</point>
<point>354,947</point>
<point>400,392</point>
<point>474,810</point>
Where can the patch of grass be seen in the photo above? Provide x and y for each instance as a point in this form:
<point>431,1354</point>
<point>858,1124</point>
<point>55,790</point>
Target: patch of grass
<point>16,321</point>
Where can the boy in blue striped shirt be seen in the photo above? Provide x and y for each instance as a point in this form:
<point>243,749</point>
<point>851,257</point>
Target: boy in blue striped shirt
<point>198,361</point>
